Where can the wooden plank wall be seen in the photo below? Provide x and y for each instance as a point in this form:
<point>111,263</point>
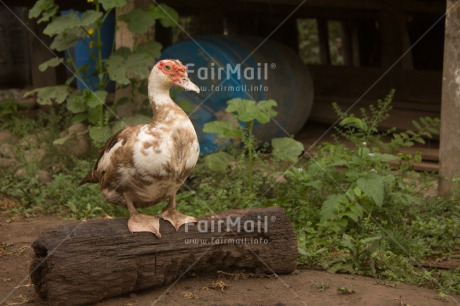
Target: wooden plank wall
<point>418,93</point>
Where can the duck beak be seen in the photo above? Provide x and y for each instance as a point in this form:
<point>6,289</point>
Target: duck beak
<point>185,83</point>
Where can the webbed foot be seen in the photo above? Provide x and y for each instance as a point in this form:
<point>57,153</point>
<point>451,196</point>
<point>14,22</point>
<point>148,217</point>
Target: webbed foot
<point>144,223</point>
<point>176,218</point>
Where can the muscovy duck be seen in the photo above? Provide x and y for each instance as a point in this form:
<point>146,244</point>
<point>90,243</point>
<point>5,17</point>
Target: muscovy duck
<point>143,165</point>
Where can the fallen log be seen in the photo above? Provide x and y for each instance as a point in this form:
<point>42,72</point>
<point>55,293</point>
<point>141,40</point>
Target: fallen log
<point>86,262</point>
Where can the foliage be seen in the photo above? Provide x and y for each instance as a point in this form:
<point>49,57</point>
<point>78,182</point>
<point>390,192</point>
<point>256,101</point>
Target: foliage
<point>9,108</point>
<point>356,209</point>
<point>249,113</point>
<point>124,66</point>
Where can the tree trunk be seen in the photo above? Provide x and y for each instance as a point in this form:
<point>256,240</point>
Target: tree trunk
<point>85,262</point>
<point>449,149</point>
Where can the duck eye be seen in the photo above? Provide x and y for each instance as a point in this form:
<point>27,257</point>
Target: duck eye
<point>167,67</point>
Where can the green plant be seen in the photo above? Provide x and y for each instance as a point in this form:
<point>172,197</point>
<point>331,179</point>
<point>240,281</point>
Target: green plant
<point>357,209</point>
<point>124,66</point>
<point>249,113</point>
<point>360,209</point>
<point>345,290</point>
<point>323,286</point>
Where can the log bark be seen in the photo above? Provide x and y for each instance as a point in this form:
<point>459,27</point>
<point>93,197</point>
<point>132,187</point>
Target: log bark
<point>86,262</point>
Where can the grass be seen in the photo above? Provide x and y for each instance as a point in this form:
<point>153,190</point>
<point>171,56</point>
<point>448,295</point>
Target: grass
<point>352,211</point>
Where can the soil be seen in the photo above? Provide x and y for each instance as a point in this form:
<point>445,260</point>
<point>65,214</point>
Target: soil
<point>304,287</point>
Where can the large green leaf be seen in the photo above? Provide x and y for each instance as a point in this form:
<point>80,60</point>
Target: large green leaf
<point>55,61</point>
<point>355,212</point>
<point>62,23</point>
<point>93,115</point>
<point>45,8</point>
<point>138,21</point>
<point>121,68</point>
<point>96,98</point>
<point>50,94</point>
<point>116,68</point>
<point>76,103</point>
<point>287,149</point>
<point>68,39</point>
<point>100,134</point>
<point>264,110</point>
<point>89,17</point>
<point>110,4</point>
<point>330,207</point>
<point>152,48</point>
<point>138,65</point>
<point>242,108</point>
<point>223,128</point>
<point>218,161</point>
<point>167,16</point>
<point>373,185</point>
<point>248,110</point>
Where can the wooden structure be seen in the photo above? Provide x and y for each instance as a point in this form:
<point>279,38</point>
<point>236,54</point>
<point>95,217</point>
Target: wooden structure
<point>383,45</point>
<point>450,123</point>
<point>83,263</point>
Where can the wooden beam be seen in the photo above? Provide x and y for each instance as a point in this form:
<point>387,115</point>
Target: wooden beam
<point>450,105</point>
<point>323,35</point>
<point>394,40</point>
<point>355,44</point>
<point>345,28</point>
<point>337,6</point>
<point>39,54</point>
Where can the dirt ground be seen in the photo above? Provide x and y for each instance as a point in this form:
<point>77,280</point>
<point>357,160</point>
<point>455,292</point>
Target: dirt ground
<point>304,287</point>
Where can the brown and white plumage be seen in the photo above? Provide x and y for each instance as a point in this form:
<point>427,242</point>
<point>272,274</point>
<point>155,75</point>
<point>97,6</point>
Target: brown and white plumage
<point>143,165</point>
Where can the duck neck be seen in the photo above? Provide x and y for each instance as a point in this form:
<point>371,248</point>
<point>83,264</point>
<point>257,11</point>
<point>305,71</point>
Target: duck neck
<point>158,95</point>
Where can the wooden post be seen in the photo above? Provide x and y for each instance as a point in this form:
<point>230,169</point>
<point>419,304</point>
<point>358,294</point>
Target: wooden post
<point>394,39</point>
<point>323,36</point>
<point>449,166</point>
<point>83,263</point>
<point>39,54</point>
<point>345,29</point>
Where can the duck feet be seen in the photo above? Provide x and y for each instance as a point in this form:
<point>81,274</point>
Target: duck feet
<point>144,223</point>
<point>176,218</point>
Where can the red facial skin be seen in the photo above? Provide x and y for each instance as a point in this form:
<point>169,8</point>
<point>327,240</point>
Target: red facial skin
<point>175,72</point>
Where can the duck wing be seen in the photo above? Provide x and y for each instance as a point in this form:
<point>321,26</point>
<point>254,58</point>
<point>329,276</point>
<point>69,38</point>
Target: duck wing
<point>123,135</point>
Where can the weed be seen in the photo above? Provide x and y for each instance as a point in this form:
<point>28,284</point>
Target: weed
<point>345,290</point>
<point>323,286</point>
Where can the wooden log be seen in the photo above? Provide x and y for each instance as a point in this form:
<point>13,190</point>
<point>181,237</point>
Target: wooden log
<point>86,262</point>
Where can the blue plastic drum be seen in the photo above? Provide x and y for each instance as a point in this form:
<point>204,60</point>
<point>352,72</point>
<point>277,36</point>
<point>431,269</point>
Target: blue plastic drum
<point>244,67</point>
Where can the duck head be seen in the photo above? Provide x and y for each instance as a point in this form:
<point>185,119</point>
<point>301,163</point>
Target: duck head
<point>168,73</point>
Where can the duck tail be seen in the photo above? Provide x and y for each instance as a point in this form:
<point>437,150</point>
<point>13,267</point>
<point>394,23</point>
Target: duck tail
<point>89,178</point>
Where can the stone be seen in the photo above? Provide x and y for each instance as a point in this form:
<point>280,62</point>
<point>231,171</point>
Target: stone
<point>7,162</point>
<point>78,142</point>
<point>5,135</point>
<point>43,176</point>
<point>20,173</point>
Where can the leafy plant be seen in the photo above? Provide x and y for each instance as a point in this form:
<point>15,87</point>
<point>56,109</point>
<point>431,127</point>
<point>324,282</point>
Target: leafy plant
<point>124,66</point>
<point>249,113</point>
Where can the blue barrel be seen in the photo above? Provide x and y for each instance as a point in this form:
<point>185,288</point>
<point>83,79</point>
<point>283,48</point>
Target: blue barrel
<point>249,68</point>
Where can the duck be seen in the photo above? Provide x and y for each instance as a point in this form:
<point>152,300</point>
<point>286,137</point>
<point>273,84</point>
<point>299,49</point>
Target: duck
<point>144,165</point>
